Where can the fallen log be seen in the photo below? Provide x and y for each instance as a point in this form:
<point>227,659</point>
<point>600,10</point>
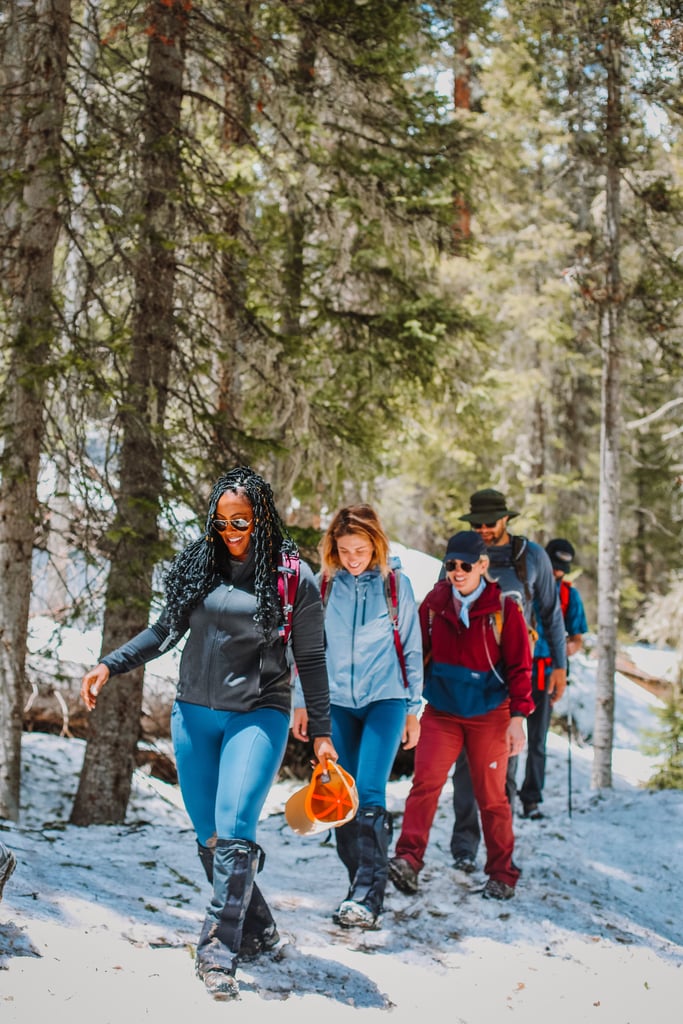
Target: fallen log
<point>53,705</point>
<point>53,700</point>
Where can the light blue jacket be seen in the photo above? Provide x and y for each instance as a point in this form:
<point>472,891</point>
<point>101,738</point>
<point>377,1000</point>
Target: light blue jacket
<point>362,661</point>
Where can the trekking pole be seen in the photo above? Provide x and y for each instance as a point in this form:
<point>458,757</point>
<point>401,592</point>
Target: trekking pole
<point>569,754</point>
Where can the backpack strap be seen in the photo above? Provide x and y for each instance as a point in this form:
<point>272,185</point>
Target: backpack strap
<point>495,621</point>
<point>519,546</point>
<point>391,591</point>
<point>565,591</point>
<point>288,571</point>
<point>498,618</point>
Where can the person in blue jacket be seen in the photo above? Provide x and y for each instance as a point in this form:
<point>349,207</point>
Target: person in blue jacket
<point>374,704</point>
<point>230,718</point>
<point>561,553</point>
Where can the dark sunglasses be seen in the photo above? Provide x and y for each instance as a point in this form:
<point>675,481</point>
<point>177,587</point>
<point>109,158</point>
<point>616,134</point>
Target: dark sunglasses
<point>485,526</point>
<point>237,524</point>
<point>453,563</point>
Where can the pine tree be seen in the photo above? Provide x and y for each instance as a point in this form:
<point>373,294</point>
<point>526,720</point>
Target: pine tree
<point>133,538</point>
<point>666,743</point>
<point>34,42</point>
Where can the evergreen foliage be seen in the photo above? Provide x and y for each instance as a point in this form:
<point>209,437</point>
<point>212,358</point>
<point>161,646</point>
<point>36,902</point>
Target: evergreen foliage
<point>666,744</point>
<point>661,622</point>
<point>381,290</point>
<point>535,275</point>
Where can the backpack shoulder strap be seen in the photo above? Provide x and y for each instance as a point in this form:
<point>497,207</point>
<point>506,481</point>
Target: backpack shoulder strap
<point>495,621</point>
<point>325,587</point>
<point>391,592</point>
<point>565,591</point>
<point>287,585</point>
<point>497,618</point>
<point>519,546</point>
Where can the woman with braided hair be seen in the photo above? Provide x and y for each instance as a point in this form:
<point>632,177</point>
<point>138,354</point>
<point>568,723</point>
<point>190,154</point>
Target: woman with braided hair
<point>230,718</point>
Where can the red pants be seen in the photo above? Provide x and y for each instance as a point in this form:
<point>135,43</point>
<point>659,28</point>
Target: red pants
<point>442,737</point>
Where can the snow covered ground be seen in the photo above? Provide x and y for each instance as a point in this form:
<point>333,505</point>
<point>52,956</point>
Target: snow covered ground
<point>100,923</point>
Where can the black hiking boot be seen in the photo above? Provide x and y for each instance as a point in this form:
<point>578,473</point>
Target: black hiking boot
<point>366,846</point>
<point>352,914</point>
<point>235,864</point>
<point>259,933</point>
<point>219,983</point>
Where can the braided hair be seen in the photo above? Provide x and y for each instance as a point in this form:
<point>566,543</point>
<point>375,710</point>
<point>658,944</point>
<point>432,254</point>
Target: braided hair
<point>197,569</point>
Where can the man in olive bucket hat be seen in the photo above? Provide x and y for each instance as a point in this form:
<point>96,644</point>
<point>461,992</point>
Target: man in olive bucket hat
<point>522,567</point>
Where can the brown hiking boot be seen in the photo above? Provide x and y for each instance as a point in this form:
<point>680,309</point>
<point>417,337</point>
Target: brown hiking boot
<point>403,875</point>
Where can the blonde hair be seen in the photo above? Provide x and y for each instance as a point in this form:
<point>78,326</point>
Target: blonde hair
<point>359,520</point>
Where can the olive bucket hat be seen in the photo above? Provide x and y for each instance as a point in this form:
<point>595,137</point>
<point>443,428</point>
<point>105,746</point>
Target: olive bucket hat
<point>487,506</point>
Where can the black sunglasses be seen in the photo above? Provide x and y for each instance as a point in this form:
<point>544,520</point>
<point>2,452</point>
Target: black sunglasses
<point>453,563</point>
<point>485,526</point>
<point>237,524</point>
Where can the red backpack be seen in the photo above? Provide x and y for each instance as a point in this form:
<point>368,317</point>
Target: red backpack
<point>288,571</point>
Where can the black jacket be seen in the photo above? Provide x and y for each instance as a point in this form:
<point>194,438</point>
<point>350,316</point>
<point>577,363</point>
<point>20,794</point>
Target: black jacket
<point>226,663</point>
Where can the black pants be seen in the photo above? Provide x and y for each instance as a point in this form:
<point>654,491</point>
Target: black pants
<point>537,725</point>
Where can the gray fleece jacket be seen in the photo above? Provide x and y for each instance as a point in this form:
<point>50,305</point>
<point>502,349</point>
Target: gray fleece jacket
<point>227,665</point>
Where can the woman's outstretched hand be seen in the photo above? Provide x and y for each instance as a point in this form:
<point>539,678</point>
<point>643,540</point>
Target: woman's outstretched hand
<point>92,683</point>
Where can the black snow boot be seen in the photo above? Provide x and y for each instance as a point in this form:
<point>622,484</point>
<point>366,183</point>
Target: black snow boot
<point>206,858</point>
<point>347,846</point>
<point>235,864</point>
<point>365,900</point>
<point>259,932</point>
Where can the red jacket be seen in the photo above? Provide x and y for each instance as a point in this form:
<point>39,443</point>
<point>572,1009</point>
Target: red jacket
<point>448,641</point>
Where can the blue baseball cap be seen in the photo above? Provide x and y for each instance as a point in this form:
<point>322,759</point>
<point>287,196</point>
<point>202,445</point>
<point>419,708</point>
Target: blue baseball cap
<point>466,546</point>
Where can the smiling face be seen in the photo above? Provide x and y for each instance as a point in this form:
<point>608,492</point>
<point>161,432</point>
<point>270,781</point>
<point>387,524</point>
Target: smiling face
<point>355,552</point>
<point>466,582</point>
<point>231,508</point>
<point>494,534</point>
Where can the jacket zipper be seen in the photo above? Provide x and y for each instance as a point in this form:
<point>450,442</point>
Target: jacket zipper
<point>353,638</point>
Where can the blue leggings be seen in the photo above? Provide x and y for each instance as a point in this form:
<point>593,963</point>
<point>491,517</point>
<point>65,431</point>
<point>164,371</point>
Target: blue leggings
<point>367,741</point>
<point>227,761</point>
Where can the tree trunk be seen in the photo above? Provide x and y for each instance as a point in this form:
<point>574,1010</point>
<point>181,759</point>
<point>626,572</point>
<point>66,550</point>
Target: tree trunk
<point>32,117</point>
<point>232,268</point>
<point>105,782</point>
<point>609,497</point>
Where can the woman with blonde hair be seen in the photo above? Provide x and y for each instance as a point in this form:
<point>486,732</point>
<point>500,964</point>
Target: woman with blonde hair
<point>478,694</point>
<point>375,691</point>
